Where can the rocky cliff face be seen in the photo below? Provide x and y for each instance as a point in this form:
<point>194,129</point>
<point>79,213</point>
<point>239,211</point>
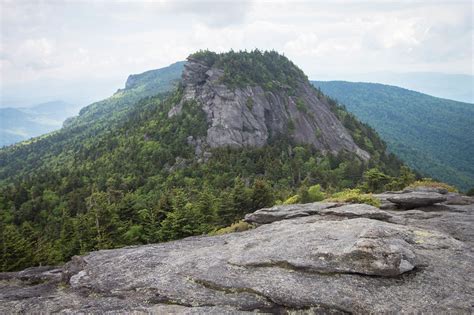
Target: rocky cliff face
<point>320,258</point>
<point>250,116</point>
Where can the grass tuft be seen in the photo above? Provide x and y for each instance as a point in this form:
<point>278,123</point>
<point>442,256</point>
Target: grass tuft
<point>354,196</point>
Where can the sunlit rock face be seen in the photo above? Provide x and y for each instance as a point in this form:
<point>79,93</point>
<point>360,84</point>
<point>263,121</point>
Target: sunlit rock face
<point>250,116</point>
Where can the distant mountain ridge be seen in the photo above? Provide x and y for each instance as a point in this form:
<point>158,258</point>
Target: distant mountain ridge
<point>18,124</point>
<point>137,86</point>
<point>435,136</point>
<point>456,170</point>
<point>406,139</point>
<point>458,87</point>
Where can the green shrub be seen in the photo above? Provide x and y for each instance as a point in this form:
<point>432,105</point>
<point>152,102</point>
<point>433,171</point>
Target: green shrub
<point>315,193</point>
<point>239,226</point>
<point>291,126</point>
<point>301,105</point>
<point>375,180</point>
<point>249,103</point>
<point>354,196</point>
<point>428,182</point>
<point>318,133</point>
<point>292,200</point>
<point>208,57</point>
<point>306,195</point>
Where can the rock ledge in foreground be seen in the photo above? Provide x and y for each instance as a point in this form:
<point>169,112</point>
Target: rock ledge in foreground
<point>337,260</point>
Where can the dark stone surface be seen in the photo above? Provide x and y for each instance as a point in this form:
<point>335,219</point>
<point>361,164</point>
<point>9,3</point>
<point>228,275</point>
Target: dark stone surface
<point>411,200</point>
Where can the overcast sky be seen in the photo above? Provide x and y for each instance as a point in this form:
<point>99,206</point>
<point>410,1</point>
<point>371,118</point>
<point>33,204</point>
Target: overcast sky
<point>104,41</point>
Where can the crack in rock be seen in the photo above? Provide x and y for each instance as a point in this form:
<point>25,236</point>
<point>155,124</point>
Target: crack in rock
<point>275,307</point>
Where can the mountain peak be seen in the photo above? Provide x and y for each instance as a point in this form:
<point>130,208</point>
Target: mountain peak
<point>268,69</point>
<point>251,97</point>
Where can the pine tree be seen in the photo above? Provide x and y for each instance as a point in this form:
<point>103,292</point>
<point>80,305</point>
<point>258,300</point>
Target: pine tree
<point>182,221</point>
<point>105,220</point>
<point>241,202</point>
<point>262,195</point>
<point>15,250</point>
<point>205,208</point>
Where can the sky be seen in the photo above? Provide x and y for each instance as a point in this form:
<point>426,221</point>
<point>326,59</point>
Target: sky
<point>81,51</point>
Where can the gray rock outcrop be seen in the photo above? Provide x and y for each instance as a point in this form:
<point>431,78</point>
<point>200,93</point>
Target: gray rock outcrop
<point>411,200</point>
<point>420,197</point>
<point>285,212</point>
<point>248,117</point>
<point>316,258</point>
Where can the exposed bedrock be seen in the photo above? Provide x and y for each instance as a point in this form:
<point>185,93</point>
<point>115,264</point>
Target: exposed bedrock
<point>249,116</point>
<point>313,258</point>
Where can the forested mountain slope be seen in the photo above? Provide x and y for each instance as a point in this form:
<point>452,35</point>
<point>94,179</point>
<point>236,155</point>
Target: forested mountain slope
<point>432,135</point>
<point>417,145</point>
<point>241,131</point>
<point>92,120</point>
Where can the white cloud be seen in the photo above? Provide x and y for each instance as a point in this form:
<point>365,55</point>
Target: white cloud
<point>212,12</point>
<point>35,54</point>
<point>108,40</point>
